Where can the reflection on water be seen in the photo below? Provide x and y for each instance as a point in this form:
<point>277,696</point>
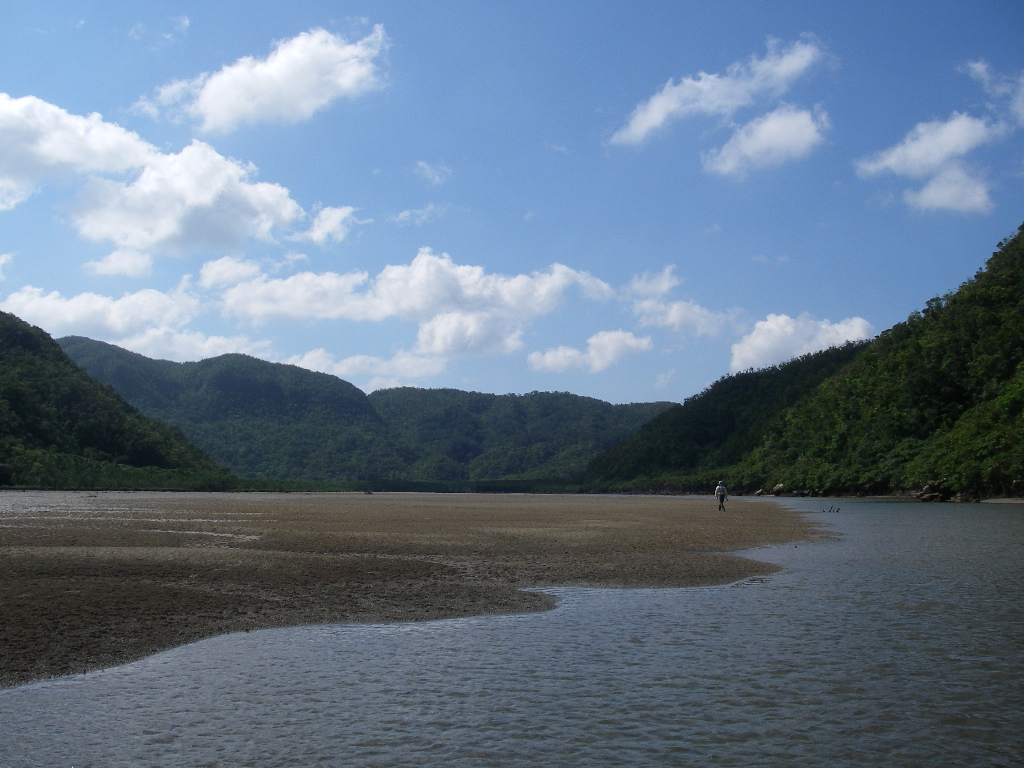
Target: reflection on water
<point>899,643</point>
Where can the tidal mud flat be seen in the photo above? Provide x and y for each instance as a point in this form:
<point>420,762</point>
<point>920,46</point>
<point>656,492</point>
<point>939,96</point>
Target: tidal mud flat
<point>90,580</point>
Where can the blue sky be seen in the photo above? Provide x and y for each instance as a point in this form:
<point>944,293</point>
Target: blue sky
<point>623,200</point>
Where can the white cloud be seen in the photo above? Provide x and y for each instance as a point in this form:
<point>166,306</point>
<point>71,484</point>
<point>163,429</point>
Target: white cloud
<point>405,365</point>
<point>929,147</point>
<point>193,200</point>
<point>142,200</point>
<point>662,380</point>
<point>933,151</point>
<point>91,314</point>
<point>951,189</point>
<point>1002,87</point>
<point>656,284</point>
<point>604,349</point>
<point>169,344</point>
<point>787,133</point>
<point>39,140</point>
<point>681,316</point>
<point>647,294</point>
<point>460,308</point>
<point>722,95</point>
<point>330,224</point>
<point>5,259</point>
<point>419,216</point>
<point>483,332</point>
<point>779,338</point>
<point>226,271</point>
<point>300,76</point>
<point>148,322</point>
<point>432,174</point>
<point>123,261</point>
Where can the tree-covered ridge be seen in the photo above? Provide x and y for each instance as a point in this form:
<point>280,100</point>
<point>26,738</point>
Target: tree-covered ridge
<point>719,426</point>
<point>475,436</point>
<point>259,419</point>
<point>268,420</point>
<point>937,396</point>
<point>59,427</point>
<point>936,401</point>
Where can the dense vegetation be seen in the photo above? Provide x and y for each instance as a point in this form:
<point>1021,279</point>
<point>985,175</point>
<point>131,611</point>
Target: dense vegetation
<point>938,396</point>
<point>934,401</point>
<point>473,436</point>
<point>273,421</point>
<point>258,419</point>
<point>719,426</point>
<point>59,428</point>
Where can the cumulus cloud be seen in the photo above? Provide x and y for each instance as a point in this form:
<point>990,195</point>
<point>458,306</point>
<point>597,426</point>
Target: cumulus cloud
<point>39,140</point>
<point>403,365</point>
<point>721,95</point>
<point>181,346</point>
<point>148,321</point>
<point>460,308</point>
<point>929,147</point>
<point>432,174</point>
<point>91,314</point>
<point>604,349</point>
<point>226,271</point>
<point>954,188</point>
<point>123,261</point>
<point>301,75</point>
<point>787,133</point>
<point>647,294</point>
<point>419,216</point>
<point>1006,89</point>
<point>681,316</point>
<point>144,201</point>
<point>933,151</point>
<point>193,200</point>
<point>779,338</point>
<point>654,284</point>
<point>330,224</point>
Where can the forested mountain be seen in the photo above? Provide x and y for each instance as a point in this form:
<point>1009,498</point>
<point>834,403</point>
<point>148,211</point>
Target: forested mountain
<point>476,436</point>
<point>935,401</point>
<point>938,396</point>
<point>61,428</point>
<point>270,420</point>
<point>258,419</point>
<point>719,426</point>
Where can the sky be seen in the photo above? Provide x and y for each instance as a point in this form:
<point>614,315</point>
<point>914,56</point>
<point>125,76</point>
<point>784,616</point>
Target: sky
<point>624,200</point>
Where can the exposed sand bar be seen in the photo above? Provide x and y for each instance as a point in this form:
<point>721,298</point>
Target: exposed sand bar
<point>91,580</point>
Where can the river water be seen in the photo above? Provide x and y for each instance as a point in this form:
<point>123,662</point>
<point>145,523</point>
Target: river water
<point>897,642</point>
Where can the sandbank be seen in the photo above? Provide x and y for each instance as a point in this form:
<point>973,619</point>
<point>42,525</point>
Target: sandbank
<point>91,580</point>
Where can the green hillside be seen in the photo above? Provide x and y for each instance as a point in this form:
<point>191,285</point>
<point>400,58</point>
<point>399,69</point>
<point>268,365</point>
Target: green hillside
<point>60,428</point>
<point>719,426</point>
<point>934,401</point>
<point>259,419</point>
<point>268,420</point>
<point>474,436</point>
<point>938,396</point>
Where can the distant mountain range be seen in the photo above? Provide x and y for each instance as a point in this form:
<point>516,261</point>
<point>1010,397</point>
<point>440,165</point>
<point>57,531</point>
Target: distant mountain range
<point>934,403</point>
<point>269,420</point>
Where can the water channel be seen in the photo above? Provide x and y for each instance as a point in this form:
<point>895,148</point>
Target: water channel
<point>898,641</point>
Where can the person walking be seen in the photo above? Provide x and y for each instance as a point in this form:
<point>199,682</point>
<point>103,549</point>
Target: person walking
<point>721,493</point>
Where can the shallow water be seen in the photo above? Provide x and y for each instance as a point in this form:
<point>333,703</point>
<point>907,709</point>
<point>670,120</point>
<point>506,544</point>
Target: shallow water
<point>899,642</point>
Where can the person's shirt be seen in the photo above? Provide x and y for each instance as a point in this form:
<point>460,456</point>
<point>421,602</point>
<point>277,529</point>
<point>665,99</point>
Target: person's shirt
<point>721,490</point>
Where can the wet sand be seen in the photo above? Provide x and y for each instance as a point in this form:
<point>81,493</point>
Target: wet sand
<point>92,580</point>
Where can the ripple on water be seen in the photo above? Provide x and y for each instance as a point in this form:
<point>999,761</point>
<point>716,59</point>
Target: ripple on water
<point>897,643</point>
